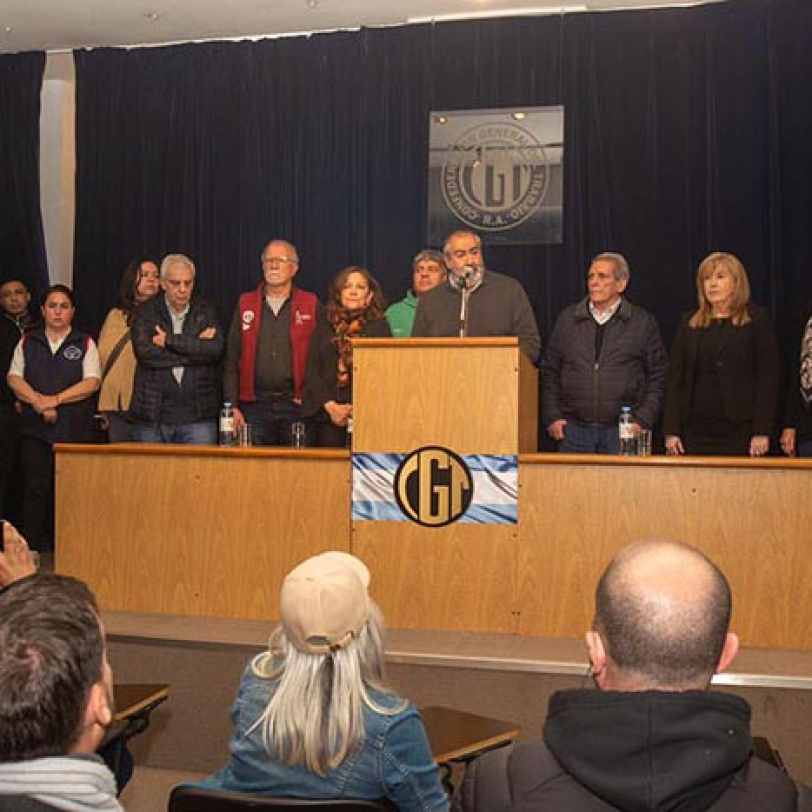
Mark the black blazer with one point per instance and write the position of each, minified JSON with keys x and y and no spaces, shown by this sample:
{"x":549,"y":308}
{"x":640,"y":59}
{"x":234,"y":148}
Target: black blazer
{"x":748,"y":370}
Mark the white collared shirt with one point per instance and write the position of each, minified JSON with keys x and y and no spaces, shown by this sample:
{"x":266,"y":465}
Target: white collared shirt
{"x":607,"y":314}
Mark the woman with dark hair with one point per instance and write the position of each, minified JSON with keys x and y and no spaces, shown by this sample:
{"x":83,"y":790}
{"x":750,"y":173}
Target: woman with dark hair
{"x":54,"y":373}
{"x":723,"y":375}
{"x":314,"y":716}
{"x":355,"y":309}
{"x":140,"y":281}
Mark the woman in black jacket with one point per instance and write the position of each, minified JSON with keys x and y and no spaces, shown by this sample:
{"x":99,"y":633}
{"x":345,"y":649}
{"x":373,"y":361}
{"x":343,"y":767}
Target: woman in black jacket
{"x":723,"y":375}
{"x":355,"y":309}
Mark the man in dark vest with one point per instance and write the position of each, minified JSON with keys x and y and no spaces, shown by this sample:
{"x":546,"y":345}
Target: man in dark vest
{"x":266,"y":350}
{"x":652,"y":737}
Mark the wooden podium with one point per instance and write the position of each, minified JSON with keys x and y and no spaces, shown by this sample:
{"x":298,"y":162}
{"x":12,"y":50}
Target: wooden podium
{"x":470,"y":396}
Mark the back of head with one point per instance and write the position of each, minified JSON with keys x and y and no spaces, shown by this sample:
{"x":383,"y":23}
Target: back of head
{"x":662,"y":610}
{"x":327,"y":653}
{"x":51,"y":654}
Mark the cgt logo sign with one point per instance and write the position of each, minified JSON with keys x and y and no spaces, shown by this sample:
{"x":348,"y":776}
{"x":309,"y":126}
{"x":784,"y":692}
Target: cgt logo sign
{"x":433,"y":486}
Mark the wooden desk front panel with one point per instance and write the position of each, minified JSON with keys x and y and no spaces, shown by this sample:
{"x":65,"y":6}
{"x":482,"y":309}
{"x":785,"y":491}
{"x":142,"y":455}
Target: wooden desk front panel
{"x":755,"y":522}
{"x":195,"y":534}
{"x":457,"y":578}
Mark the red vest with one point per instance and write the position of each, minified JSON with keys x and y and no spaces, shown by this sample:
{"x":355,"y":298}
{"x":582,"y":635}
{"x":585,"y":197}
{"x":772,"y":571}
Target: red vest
{"x":302,"y":323}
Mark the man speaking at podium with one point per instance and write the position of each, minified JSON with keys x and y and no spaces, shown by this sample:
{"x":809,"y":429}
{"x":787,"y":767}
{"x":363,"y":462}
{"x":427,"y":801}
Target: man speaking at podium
{"x":476,"y":302}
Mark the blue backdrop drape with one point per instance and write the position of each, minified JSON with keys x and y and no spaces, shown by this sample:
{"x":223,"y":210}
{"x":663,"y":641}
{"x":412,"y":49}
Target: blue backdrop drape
{"x":687,"y":131}
{"x":22,"y":243}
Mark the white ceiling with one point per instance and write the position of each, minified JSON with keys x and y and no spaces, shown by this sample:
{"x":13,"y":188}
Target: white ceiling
{"x":54,"y":25}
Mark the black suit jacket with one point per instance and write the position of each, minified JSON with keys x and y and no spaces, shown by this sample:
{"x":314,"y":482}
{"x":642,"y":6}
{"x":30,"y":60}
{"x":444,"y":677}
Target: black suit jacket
{"x":748,"y":368}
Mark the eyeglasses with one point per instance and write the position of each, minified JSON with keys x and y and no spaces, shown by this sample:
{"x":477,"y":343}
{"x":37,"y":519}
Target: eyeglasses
{"x":279,"y":261}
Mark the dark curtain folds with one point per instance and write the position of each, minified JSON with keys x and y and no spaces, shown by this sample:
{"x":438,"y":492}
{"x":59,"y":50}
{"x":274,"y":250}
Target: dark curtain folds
{"x":687,"y":131}
{"x":22,"y":242}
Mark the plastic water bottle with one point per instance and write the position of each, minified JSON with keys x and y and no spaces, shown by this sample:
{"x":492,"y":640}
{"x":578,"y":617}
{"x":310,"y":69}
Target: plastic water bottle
{"x":625,"y":432}
{"x":227,"y":433}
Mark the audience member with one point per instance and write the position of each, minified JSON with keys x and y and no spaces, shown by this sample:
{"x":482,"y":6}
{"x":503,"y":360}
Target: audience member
{"x":54,"y":373}
{"x":428,"y":271}
{"x":55,"y":698}
{"x":723,"y":375}
{"x":16,"y":558}
{"x":178,"y":345}
{"x":604,"y":353}
{"x":141,"y":281}
{"x":314,"y":717}
{"x":476,"y":302}
{"x":653,"y":737}
{"x":266,"y":351}
{"x":355,"y":308}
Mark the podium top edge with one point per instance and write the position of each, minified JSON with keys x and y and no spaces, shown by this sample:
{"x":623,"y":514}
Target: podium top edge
{"x":491,"y":341}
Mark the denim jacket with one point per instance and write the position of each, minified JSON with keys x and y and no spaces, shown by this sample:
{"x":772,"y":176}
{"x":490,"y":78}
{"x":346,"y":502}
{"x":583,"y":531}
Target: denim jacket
{"x":393,"y":761}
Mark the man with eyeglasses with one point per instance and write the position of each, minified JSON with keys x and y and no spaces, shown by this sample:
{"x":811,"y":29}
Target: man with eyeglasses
{"x":266,"y":349}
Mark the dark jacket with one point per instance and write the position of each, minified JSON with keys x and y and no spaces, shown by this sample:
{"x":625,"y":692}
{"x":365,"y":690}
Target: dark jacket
{"x":631,"y":370}
{"x":797,"y":413}
{"x":748,"y":369}
{"x":498,"y":307}
{"x":199,"y":357}
{"x":9,"y":338}
{"x":321,"y":378}
{"x":651,"y":751}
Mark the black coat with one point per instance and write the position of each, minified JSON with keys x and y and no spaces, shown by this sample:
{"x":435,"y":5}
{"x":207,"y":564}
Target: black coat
{"x":199,"y":357}
{"x":748,"y":368}
{"x":631,"y":369}
{"x":649,"y":751}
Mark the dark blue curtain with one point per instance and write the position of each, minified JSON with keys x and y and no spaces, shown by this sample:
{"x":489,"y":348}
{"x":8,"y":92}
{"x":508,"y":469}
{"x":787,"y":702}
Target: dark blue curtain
{"x":22,"y":243}
{"x":687,"y":131}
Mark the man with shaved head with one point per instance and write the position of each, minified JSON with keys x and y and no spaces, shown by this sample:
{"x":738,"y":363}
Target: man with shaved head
{"x":266,"y":351}
{"x":653,"y":737}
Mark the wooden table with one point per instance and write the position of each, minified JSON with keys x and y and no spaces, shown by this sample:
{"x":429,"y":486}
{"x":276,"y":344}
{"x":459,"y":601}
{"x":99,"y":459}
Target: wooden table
{"x":459,"y":737}
{"x":137,"y":700}
{"x":134,"y":703}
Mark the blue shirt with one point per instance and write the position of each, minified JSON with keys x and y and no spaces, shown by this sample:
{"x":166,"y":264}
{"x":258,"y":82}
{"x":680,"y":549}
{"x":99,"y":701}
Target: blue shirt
{"x":393,"y":761}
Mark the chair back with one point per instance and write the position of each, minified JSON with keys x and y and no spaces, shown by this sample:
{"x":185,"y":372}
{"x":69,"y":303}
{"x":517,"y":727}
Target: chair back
{"x":196,"y":799}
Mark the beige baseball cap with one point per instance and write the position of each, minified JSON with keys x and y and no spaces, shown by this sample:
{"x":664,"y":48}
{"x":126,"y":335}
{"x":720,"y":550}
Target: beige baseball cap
{"x":324,"y":602}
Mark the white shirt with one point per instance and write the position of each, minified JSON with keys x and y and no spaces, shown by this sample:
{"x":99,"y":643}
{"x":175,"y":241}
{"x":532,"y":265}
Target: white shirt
{"x":607,"y":314}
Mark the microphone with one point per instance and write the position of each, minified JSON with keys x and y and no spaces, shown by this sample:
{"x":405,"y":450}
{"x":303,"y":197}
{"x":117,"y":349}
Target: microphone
{"x":465,"y":278}
{"x":467,"y":275}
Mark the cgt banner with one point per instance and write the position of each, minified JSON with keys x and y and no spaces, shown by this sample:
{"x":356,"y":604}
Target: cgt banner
{"x":497,"y":172}
{"x":433,"y":486}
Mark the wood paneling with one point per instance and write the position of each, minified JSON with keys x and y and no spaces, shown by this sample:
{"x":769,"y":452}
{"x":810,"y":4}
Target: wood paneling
{"x":754,"y":521}
{"x":457,"y":577}
{"x":464,"y":394}
{"x":212,"y":532}
{"x":207,"y":534}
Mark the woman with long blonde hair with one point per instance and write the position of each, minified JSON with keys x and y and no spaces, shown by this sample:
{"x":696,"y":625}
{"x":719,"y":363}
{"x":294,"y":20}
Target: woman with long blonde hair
{"x":724,"y":368}
{"x":314,"y":717}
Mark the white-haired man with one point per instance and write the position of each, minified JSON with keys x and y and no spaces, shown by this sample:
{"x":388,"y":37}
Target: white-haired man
{"x":178,"y":344}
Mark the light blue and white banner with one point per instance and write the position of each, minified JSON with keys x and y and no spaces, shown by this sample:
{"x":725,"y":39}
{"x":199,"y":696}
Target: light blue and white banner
{"x":495,"y":488}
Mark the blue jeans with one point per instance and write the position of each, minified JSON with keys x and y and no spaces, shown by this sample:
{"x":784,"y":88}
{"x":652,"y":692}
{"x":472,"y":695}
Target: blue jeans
{"x":201,"y":433}
{"x":589,"y":438}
